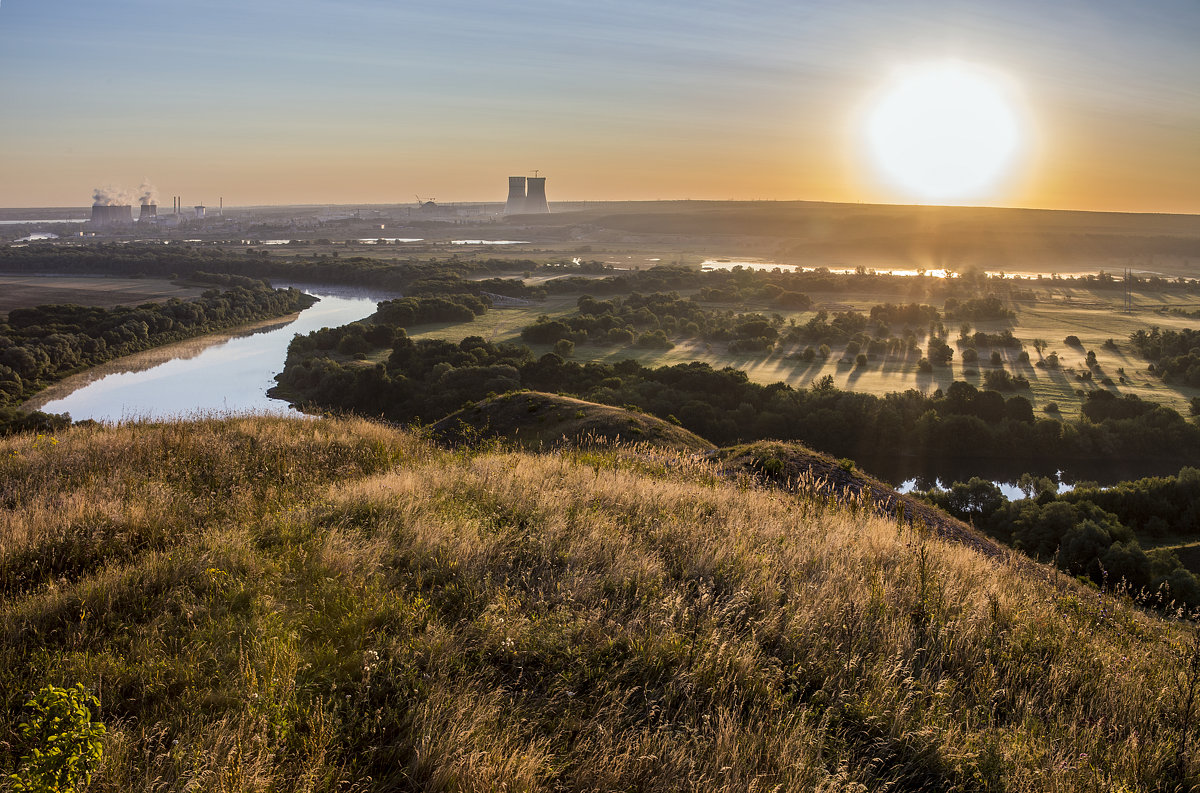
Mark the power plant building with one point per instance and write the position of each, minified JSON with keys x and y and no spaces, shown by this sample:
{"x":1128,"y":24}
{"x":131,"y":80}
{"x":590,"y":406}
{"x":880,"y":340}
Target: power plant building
{"x":516,"y":196}
{"x":526,"y":196}
{"x":535,"y":196}
{"x":112,"y":215}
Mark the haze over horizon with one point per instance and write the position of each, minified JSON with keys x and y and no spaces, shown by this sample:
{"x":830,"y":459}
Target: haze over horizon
{"x":362,"y":102}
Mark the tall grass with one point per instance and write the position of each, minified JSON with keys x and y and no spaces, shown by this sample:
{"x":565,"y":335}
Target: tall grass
{"x":275,"y":604}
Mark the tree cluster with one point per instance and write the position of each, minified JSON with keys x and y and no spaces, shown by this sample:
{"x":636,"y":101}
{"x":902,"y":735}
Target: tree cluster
{"x":1091,"y":531}
{"x":406,"y":312}
{"x":978,"y":308}
{"x":1175,"y":354}
{"x":652,"y":321}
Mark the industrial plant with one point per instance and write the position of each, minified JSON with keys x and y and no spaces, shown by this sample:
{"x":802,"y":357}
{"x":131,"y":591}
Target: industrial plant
{"x":112,"y":214}
{"x":526,"y":196}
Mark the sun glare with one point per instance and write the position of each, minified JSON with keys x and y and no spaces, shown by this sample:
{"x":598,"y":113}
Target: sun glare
{"x":944,"y":132}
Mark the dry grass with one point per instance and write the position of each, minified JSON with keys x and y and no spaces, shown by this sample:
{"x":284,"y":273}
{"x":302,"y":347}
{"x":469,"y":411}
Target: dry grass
{"x":537,"y":421}
{"x":280,"y":604}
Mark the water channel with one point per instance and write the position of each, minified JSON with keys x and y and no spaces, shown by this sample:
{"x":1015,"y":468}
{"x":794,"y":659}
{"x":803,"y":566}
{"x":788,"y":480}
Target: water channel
{"x":227,"y":373}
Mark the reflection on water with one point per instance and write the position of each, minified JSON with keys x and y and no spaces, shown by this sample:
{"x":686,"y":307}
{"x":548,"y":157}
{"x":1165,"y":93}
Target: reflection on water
{"x":213,"y":374}
{"x":709,"y":265}
{"x":1009,"y":489}
{"x":42,"y":220}
{"x":908,"y":474}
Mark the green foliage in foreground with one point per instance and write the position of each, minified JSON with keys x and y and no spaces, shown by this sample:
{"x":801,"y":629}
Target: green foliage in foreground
{"x":319,"y":605}
{"x":65,"y":745}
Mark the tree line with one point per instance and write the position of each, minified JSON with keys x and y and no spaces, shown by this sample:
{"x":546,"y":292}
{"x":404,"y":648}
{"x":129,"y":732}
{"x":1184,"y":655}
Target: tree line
{"x":653,"y":321}
{"x":427,"y":379}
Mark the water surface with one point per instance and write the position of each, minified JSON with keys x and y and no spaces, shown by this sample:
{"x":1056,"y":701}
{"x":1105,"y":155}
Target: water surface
{"x":214,"y":374}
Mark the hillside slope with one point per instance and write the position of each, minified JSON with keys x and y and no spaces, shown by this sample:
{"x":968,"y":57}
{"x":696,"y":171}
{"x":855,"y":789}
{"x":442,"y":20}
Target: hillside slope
{"x":537,"y":420}
{"x":795,"y":467}
{"x":289,"y":604}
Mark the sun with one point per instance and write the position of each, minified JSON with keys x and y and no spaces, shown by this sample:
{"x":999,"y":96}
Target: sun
{"x":944,"y":132}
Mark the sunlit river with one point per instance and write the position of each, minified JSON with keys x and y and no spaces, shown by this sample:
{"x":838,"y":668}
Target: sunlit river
{"x":209,"y":375}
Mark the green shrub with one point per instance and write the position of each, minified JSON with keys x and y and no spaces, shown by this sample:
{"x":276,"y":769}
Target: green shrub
{"x":64,"y":743}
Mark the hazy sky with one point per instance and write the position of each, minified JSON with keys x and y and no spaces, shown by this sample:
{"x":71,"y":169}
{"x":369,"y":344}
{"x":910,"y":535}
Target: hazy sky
{"x":373,"y":101}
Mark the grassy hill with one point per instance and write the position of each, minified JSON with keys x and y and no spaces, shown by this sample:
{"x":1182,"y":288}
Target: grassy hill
{"x":290,"y":604}
{"x":536,"y":420}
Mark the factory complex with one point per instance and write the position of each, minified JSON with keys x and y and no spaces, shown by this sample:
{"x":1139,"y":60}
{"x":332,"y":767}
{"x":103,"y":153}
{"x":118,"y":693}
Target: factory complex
{"x":526,"y":196}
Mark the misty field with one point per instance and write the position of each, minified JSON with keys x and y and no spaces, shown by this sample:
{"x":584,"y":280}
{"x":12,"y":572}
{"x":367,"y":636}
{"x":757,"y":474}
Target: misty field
{"x":24,"y":291}
{"x":1095,"y":316}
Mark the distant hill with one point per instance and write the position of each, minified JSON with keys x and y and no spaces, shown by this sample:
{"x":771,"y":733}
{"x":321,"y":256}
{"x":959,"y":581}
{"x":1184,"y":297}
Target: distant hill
{"x":886,"y":236}
{"x":273,"y":603}
{"x":537,"y":420}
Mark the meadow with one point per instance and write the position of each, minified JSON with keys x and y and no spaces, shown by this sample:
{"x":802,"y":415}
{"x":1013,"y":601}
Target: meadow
{"x":280,"y":604}
{"x":1060,"y":310}
{"x":26,"y":291}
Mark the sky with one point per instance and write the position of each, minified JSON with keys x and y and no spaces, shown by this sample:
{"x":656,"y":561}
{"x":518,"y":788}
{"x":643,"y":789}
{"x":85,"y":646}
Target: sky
{"x":377,"y":101}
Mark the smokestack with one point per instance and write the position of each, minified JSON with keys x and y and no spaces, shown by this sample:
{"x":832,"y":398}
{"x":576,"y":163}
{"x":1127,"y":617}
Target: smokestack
{"x":516,"y":196}
{"x":535,"y":200}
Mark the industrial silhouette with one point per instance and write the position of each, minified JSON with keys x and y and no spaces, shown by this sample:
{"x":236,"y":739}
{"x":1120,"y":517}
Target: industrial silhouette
{"x":521,"y":202}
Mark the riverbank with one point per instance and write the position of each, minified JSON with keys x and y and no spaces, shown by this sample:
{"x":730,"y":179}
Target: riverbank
{"x":217,"y":373}
{"x":149,"y":359}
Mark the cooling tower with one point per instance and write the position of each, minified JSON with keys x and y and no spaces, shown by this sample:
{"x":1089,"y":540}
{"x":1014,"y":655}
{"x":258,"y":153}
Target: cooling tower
{"x":149,"y":212}
{"x":104,"y":215}
{"x":200,"y":212}
{"x":535,"y":199}
{"x":516,"y":196}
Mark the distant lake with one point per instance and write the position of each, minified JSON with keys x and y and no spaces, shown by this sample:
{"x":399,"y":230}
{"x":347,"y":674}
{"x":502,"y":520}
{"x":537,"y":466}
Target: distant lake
{"x":60,"y":220}
{"x":709,"y":265}
{"x":213,"y":374}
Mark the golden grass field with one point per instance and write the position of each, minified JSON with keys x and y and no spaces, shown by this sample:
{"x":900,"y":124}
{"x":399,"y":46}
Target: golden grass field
{"x":282,"y":604}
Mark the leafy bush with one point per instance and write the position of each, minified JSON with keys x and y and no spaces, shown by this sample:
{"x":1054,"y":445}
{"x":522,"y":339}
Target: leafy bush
{"x":64,"y":743}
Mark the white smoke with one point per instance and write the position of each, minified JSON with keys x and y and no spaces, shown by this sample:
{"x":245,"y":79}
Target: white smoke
{"x":111,"y":197}
{"x":116,"y":196}
{"x":149,"y":193}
